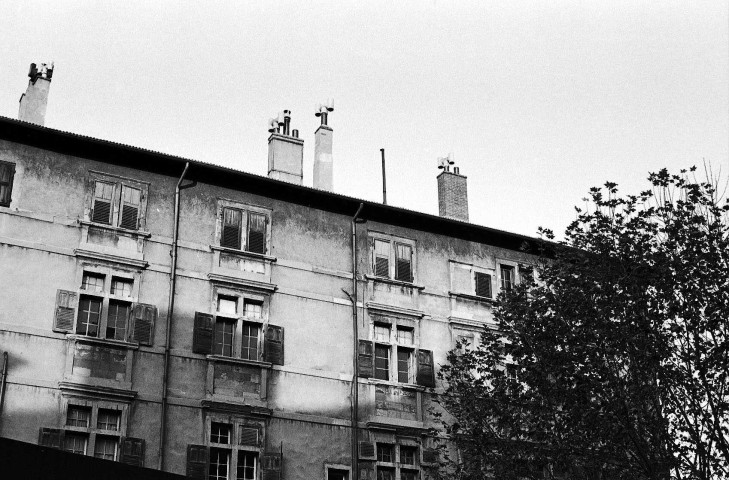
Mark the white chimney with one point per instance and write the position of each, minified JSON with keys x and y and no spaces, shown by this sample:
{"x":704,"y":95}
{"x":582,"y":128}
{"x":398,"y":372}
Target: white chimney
{"x":323,"y":161}
{"x":35,"y":99}
{"x":285,"y":152}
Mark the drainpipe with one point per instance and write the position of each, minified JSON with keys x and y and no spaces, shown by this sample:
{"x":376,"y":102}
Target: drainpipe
{"x":3,"y":381}
{"x":355,"y":344}
{"x":170,"y":307}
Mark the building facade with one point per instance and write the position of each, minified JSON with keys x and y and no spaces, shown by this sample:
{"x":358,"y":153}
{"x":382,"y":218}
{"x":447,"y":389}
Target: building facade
{"x":182,"y":316}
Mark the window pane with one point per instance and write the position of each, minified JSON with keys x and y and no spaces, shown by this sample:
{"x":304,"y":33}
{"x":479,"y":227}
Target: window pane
{"x":131,"y":196}
{"x":407,"y":455}
{"x":227,"y":305}
{"x":252,"y":309}
{"x":507,"y":277}
{"x":405,"y":336}
{"x":93,"y":282}
{"x":385,"y":453}
{"x":78,"y":416}
{"x":404,"y":359}
{"x":219,"y":461}
{"x":382,"y":259}
{"x":89,"y":312}
{"x":246,"y":465}
{"x":106,"y":447}
{"x":220,"y":433}
{"x":403,"y":266}
{"x":230,"y":236}
{"x":223,"y":339}
{"x":104,"y":191}
{"x":121,"y":286}
{"x":4,"y":173}
{"x":382,"y":362}
{"x":108,"y":420}
{"x":382,"y":333}
{"x":76,"y":442}
{"x":116,"y":323}
{"x":256,"y":233}
{"x":337,"y":474}
{"x":249,"y":349}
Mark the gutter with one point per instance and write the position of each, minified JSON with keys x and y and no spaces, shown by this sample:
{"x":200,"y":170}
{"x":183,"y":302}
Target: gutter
{"x":3,"y":381}
{"x":355,"y":351}
{"x":170,"y":309}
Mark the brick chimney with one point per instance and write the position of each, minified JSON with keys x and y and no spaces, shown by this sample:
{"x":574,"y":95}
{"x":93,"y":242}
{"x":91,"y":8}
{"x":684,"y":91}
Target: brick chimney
{"x":35,"y":99}
{"x":452,"y":193}
{"x":323,"y":162}
{"x":285,"y":151}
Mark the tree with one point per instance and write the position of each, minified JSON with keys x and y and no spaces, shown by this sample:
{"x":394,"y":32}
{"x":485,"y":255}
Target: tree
{"x":609,"y":359}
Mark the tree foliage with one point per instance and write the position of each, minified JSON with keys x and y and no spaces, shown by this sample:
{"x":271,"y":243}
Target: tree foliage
{"x":609,"y":359}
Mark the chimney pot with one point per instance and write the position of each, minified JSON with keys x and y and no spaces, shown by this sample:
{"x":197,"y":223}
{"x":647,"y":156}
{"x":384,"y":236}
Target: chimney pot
{"x":295,"y":133}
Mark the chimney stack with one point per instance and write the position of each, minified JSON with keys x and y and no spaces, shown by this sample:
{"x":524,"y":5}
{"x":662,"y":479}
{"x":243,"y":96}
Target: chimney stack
{"x":285,"y":151}
{"x":452,"y":191}
{"x":323,"y":161}
{"x":35,"y":99}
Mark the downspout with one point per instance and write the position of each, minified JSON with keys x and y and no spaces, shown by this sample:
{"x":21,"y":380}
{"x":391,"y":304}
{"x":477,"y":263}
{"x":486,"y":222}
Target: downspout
{"x":355,"y":344}
{"x":3,"y":381}
{"x":170,"y":307}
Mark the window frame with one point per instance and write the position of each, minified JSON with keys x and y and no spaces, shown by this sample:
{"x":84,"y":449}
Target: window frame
{"x":246,"y":211}
{"x":472,"y":269}
{"x":119,"y":186}
{"x":513,"y":266}
{"x":234,"y":447}
{"x":396,"y":466}
{"x":394,"y":345}
{"x":9,"y":183}
{"x":240,"y":319}
{"x":91,"y":431}
{"x":393,"y":265}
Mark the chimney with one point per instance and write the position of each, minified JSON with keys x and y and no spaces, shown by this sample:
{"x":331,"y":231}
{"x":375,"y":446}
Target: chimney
{"x":285,"y":151}
{"x":452,"y":192}
{"x":323,"y":165}
{"x":35,"y":99}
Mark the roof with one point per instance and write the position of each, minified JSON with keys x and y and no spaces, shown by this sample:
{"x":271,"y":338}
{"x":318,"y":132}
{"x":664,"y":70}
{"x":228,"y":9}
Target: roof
{"x":147,"y":160}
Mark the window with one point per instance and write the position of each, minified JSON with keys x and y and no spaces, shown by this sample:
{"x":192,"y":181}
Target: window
{"x":243,"y":228}
{"x":117,"y":201}
{"x":385,"y":453}
{"x":223,"y":341}
{"x":7,"y":172}
{"x":469,"y":279}
{"x":104,"y":307}
{"x":76,"y":443}
{"x":397,"y":461}
{"x":108,"y":420}
{"x":337,"y":474}
{"x":78,"y":416}
{"x":224,"y":458}
{"x":382,"y":362}
{"x":392,"y":258}
{"x":106,"y":447}
{"x":251,"y":338}
{"x":508,"y":277}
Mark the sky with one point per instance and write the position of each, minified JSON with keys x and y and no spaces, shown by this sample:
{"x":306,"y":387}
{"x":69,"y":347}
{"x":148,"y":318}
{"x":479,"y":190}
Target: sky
{"x":537,"y":100}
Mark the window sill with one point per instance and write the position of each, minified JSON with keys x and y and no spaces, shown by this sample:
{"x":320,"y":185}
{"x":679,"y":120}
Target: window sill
{"x":390,"y":281}
{"x":468,"y":296}
{"x":111,"y":228}
{"x":405,"y":386}
{"x":243,"y":253}
{"x":238,"y":361}
{"x":102,"y":341}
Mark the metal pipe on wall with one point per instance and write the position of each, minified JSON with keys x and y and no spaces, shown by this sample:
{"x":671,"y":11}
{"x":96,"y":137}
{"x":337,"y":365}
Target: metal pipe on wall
{"x":170,"y":308}
{"x":355,"y":344}
{"x":384,"y":178}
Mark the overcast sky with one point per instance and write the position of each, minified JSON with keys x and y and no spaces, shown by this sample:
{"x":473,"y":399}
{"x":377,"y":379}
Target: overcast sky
{"x":538,"y":101}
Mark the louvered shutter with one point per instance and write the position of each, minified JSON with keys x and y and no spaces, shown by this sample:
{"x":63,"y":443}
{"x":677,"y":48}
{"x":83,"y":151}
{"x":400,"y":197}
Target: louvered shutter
{"x":66,"y":304}
{"x":365,"y":353}
{"x":202,"y":334}
{"x":132,"y":451}
{"x":426,"y":373}
{"x":230,"y":234}
{"x":483,"y":284}
{"x":248,"y":436}
{"x":129,"y":217}
{"x":381,"y":258}
{"x":367,"y":451}
{"x":7,"y":172}
{"x":273,"y":348}
{"x":143,"y":319}
{"x":271,"y":464}
{"x":197,"y":462}
{"x":50,"y":437}
{"x":103,"y":195}
{"x":403,"y":265}
{"x":256,"y":233}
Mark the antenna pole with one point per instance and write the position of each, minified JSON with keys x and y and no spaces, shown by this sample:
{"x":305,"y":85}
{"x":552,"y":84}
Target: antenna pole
{"x":384,"y":178}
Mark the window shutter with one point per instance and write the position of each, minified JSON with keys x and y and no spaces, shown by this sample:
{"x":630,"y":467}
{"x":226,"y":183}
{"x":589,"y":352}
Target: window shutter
{"x":256,"y":233}
{"x":129,"y":217}
{"x":366,"y":359}
{"x":367,"y":451}
{"x":230,"y":234}
{"x":66,"y":304}
{"x":7,"y":172}
{"x":202,"y":334}
{"x":426,"y":373}
{"x":132,"y":451}
{"x":144,"y":317}
{"x":483,"y":284}
{"x":366,"y":473}
{"x":271,"y":464}
{"x":197,"y":462}
{"x":403,"y":267}
{"x":249,"y":436}
{"x":50,"y":437}
{"x":273,"y":348}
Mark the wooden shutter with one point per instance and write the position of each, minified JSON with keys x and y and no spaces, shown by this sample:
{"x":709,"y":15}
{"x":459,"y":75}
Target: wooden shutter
{"x":367,"y":451}
{"x":7,"y":172}
{"x":143,"y":319}
{"x":249,"y":436}
{"x":381,"y":258}
{"x":365,"y":353}
{"x":230,"y":234}
{"x":271,"y":464}
{"x":403,"y":264}
{"x":132,"y":451}
{"x":256,"y":233}
{"x":66,"y":304}
{"x":131,"y":199}
{"x":273,"y":347}
{"x":197,"y":462}
{"x":426,"y":372}
{"x":103,"y":196}
{"x":202,"y":334}
{"x":50,"y":437}
{"x":483,"y":284}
